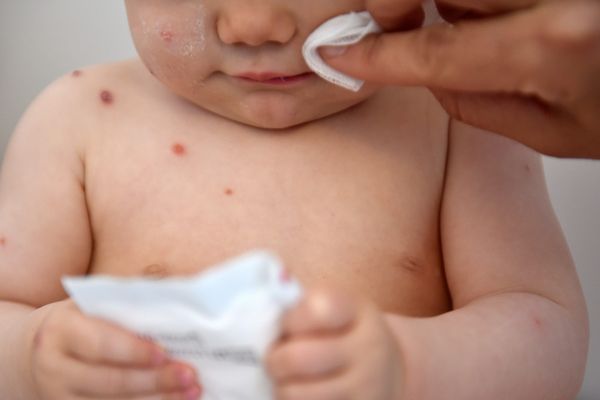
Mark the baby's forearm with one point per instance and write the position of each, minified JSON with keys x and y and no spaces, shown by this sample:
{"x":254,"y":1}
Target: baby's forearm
{"x":507,"y":346}
{"x":16,"y":331}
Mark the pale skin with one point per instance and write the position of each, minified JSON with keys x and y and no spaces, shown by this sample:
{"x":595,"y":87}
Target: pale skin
{"x":527,"y":69}
{"x":434,"y":265}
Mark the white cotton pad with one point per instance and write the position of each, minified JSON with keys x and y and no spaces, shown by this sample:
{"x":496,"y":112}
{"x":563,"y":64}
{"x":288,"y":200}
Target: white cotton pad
{"x":343,"y":30}
{"x":222,"y":321}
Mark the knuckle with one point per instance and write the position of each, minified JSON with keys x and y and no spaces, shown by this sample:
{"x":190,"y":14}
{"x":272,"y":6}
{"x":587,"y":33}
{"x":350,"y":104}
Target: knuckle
{"x":576,"y":26}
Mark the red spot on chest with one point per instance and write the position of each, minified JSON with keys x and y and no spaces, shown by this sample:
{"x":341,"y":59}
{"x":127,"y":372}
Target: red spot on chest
{"x":167,"y":36}
{"x":2,"y":241}
{"x":107,"y":97}
{"x":76,"y":74}
{"x":178,"y":149}
{"x":229,"y":192}
{"x":37,"y":339}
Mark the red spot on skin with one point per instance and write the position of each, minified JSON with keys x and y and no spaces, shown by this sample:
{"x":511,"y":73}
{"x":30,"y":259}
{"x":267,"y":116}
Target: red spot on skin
{"x":538,"y":322}
{"x":167,"y":36}
{"x":2,"y":241}
{"x":37,"y":339}
{"x":229,"y":192}
{"x":76,"y":74}
{"x":178,"y":149}
{"x":285,"y":276}
{"x":107,"y":97}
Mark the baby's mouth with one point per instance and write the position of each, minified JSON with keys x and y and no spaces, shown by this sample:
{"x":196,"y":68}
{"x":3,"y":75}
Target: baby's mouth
{"x":273,"y":78}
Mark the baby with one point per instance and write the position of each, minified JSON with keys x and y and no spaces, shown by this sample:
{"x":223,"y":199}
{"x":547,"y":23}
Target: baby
{"x":434,"y":264}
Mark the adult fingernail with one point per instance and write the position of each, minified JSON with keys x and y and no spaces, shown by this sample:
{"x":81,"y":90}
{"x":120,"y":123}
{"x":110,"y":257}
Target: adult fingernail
{"x":333,"y":51}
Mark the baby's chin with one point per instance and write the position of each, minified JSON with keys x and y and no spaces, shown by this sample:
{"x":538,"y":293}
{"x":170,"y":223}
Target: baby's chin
{"x":279,"y":111}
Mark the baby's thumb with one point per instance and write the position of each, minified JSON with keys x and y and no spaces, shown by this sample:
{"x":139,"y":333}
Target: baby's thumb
{"x":320,"y":312}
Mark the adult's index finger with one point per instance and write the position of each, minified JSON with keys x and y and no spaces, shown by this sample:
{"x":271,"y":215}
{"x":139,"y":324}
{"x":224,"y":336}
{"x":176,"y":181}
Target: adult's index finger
{"x":487,"y":7}
{"x":481,"y":55}
{"x":396,"y":14}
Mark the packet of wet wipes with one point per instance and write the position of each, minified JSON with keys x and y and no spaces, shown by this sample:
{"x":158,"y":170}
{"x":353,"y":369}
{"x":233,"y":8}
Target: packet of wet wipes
{"x":222,"y":321}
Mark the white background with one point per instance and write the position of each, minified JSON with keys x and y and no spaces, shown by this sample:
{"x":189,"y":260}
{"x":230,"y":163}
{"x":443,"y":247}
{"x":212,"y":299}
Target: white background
{"x":41,"y":40}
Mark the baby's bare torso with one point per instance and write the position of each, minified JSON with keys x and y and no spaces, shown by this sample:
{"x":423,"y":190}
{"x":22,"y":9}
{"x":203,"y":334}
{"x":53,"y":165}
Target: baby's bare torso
{"x":351,"y":201}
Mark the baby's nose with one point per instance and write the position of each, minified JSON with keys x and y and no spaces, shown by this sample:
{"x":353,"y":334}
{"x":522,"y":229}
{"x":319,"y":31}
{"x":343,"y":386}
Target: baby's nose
{"x":252,"y":23}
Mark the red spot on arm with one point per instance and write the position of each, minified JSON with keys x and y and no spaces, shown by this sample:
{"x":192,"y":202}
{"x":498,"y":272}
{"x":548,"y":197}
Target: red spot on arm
{"x":167,"y":36}
{"x":76,"y":74}
{"x":178,"y":149}
{"x":538,"y":323}
{"x":107,"y":97}
{"x":229,"y":192}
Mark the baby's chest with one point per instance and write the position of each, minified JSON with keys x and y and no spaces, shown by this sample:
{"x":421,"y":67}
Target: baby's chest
{"x":360,"y":219}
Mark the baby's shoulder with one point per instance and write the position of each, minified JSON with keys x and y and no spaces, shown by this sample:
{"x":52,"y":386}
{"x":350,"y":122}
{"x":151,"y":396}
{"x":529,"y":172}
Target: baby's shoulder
{"x":72,"y":102}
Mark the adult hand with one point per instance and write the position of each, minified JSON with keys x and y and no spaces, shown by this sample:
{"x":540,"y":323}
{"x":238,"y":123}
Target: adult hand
{"x":527,"y":69}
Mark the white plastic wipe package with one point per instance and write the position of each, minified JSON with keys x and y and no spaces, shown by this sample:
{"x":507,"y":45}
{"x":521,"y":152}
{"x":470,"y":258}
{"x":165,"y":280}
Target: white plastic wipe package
{"x":222,"y":321}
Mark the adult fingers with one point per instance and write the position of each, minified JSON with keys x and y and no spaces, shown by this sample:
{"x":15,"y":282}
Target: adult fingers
{"x":526,"y":120}
{"x":521,"y":53}
{"x":396,"y":14}
{"x":107,"y":381}
{"x":468,"y":56}
{"x":320,"y":312}
{"x":453,"y":10}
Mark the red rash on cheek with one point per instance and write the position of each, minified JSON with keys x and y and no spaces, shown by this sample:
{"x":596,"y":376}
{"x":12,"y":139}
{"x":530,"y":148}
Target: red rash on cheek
{"x":107,"y":97}
{"x":178,"y":149}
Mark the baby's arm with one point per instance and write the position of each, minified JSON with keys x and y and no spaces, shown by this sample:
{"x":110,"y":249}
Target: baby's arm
{"x":519,"y":325}
{"x":47,"y":348}
{"x":44,"y":230}
{"x":518,"y":329}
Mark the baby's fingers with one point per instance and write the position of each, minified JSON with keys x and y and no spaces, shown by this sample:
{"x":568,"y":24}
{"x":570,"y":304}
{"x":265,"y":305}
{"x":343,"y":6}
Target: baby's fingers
{"x":334,"y":389}
{"x":114,"y":382}
{"x":307,"y":359}
{"x":99,"y":342}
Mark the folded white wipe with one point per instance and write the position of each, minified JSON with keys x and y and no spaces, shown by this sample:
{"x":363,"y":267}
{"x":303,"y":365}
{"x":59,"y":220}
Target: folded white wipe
{"x":343,"y":30}
{"x":221,"y":322}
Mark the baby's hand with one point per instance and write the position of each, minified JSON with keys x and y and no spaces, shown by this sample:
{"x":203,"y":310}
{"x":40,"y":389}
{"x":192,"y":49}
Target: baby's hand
{"x":335,"y":347}
{"x":77,"y":357}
